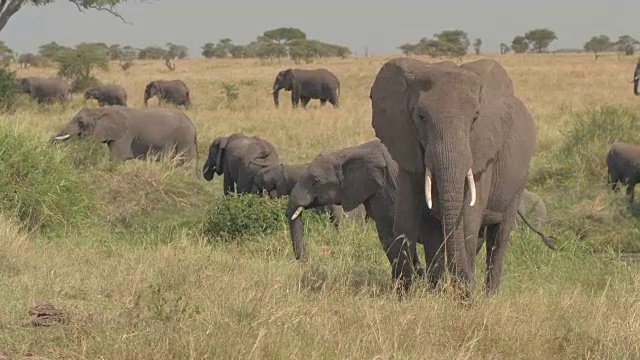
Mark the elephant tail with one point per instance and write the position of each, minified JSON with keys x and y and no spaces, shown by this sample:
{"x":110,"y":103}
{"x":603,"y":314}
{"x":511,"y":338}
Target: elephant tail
{"x":195,"y":145}
{"x":548,"y":240}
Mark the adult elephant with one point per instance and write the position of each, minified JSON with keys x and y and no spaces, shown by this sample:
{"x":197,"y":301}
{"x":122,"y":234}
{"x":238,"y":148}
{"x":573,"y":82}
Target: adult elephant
{"x":172,"y":91}
{"x":45,"y":90}
{"x":623,"y":166}
{"x":305,"y":85}
{"x":278,"y":180}
{"x":463,"y":142}
{"x":135,"y":133}
{"x":110,"y":94}
{"x":239,"y":158}
{"x":364,"y":174}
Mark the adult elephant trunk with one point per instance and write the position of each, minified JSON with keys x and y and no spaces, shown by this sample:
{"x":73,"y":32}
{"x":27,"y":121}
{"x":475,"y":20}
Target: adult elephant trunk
{"x":450,"y":167}
{"x":276,"y":95}
{"x":298,"y":201}
{"x":636,"y":79}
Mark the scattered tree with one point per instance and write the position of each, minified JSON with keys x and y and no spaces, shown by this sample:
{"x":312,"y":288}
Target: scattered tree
{"x":626,"y":44}
{"x":6,"y":54}
{"x":28,"y":60}
{"x":476,"y":46}
{"x":540,"y":39}
{"x":152,"y":53}
{"x":519,"y":45}
{"x":597,"y":45}
{"x":176,"y":51}
{"x":79,"y":63}
{"x":504,"y":48}
{"x":52,"y":51}
{"x":446,"y":43}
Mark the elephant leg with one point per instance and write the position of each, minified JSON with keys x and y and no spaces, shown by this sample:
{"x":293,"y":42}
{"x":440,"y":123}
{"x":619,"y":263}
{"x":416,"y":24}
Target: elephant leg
{"x":430,"y":234}
{"x":630,"y":190}
{"x":227,"y":184}
{"x":408,"y":207}
{"x":335,"y":215}
{"x":333,"y":99}
{"x":305,"y":101}
{"x":323,"y":102}
{"x":497,"y":239}
{"x":295,"y":97}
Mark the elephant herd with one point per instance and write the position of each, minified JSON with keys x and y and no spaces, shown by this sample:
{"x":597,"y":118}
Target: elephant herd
{"x":447,"y":169}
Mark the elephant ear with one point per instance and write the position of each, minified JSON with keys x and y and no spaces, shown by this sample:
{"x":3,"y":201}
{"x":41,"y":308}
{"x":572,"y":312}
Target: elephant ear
{"x":110,"y":125}
{"x":361,"y":173}
{"x":267,"y":154}
{"x":391,"y":114}
{"x":497,"y":112}
{"x":222,"y":147}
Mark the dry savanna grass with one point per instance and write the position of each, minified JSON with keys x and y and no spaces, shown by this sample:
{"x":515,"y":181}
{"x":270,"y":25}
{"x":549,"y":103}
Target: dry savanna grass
{"x":123,"y":255}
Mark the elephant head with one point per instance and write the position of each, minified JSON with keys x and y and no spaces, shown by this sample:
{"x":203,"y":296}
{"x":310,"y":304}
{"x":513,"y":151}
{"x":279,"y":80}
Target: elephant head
{"x":636,"y":78}
{"x":214,"y":163}
{"x":23,"y":85}
{"x":446,"y":124}
{"x":152,"y":89}
{"x":92,"y":93}
{"x":100,"y":124}
{"x":284,"y":80}
{"x":270,"y":179}
{"x":345,"y":177}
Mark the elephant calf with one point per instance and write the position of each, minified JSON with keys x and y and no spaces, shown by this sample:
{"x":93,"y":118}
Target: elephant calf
{"x":278,"y":180}
{"x":172,"y":91}
{"x":532,"y":204}
{"x":107,"y":95}
{"x":239,"y":158}
{"x":45,"y":90}
{"x":623,"y":165}
{"x":306,"y":84}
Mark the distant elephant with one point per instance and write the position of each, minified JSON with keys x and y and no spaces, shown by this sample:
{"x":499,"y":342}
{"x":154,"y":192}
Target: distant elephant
{"x":45,"y":90}
{"x":172,"y":91}
{"x":364,"y":174}
{"x":134,"y":133}
{"x":463,"y":143}
{"x":279,"y":179}
{"x":623,"y":166}
{"x":636,"y":78}
{"x":107,"y":95}
{"x":239,"y":158}
{"x":306,"y":85}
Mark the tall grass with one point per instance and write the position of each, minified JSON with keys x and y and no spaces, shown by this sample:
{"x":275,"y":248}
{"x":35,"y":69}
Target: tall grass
{"x":133,"y":252}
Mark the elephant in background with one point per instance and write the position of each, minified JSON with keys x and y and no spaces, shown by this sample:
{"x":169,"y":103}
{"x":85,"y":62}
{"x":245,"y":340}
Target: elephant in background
{"x":45,"y":90}
{"x":279,"y":179}
{"x":135,"y":133}
{"x":305,"y":85}
{"x":463,"y":143}
{"x":107,"y":95}
{"x":364,"y":174}
{"x":172,"y":91}
{"x":239,"y":158}
{"x":623,"y":166}
{"x":636,"y":78}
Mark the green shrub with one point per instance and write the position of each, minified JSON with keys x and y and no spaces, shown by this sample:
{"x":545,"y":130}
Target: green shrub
{"x":8,"y":90}
{"x":39,"y":185}
{"x":572,"y":180}
{"x":84,"y":83}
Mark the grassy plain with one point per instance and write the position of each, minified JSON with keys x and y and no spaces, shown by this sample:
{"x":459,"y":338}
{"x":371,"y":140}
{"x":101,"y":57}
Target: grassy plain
{"x":119,"y":248}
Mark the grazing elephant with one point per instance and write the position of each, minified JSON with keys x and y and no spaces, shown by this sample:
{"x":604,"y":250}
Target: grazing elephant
{"x":463,"y":142}
{"x":364,"y":174}
{"x":532,"y":204}
{"x":172,"y":91}
{"x":623,"y":165}
{"x":279,"y":179}
{"x":306,"y":85}
{"x":239,"y":158}
{"x":135,"y":133}
{"x":107,"y":95}
{"x":45,"y":90}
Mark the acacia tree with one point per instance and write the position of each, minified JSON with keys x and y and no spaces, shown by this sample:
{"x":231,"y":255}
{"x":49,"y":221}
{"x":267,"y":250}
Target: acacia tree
{"x":476,"y":46}
{"x":540,"y":39}
{"x":597,"y":45}
{"x":8,"y":8}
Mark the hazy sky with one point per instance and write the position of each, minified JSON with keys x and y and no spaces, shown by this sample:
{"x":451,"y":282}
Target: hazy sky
{"x":379,"y":24}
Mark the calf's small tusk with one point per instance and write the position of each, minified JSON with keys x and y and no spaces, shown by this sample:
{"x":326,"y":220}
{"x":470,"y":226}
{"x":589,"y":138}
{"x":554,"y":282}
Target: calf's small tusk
{"x":63,"y":137}
{"x":427,"y":188}
{"x":297,"y":213}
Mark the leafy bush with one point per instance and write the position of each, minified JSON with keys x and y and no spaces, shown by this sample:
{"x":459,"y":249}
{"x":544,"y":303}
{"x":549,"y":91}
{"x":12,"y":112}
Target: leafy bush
{"x":231,"y":91}
{"x":244,"y":215}
{"x":84,"y":83}
{"x":39,"y":185}
{"x":572,"y":179}
{"x":8,"y":90}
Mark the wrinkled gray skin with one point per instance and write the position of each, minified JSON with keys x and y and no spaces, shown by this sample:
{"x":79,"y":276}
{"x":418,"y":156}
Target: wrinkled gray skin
{"x":239,"y":158}
{"x":306,"y":85}
{"x":532,"y":206}
{"x":45,"y":90}
{"x":449,"y":122}
{"x":134,"y":133}
{"x":623,"y":166}
{"x":172,"y":91}
{"x":364,"y":174}
{"x":278,"y":180}
{"x":107,"y":95}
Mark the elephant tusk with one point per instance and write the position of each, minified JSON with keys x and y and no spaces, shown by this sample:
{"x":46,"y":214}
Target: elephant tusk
{"x":472,"y":187}
{"x":62,"y":137}
{"x":427,"y":188}
{"x":297,"y":213}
